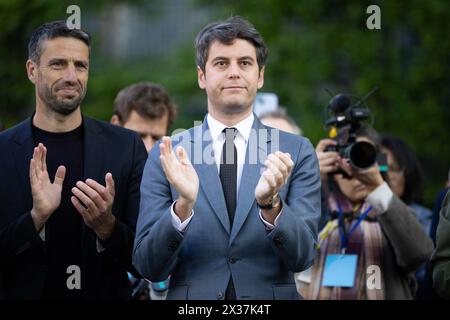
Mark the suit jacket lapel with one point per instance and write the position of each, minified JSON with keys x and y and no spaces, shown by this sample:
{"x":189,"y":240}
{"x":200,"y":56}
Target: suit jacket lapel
{"x":259,"y":142}
{"x":22,"y":150}
{"x":94,"y":160}
{"x":208,"y":174}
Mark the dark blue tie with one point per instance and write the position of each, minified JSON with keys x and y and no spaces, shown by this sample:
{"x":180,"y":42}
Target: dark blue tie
{"x":228,"y":172}
{"x":228,"y":178}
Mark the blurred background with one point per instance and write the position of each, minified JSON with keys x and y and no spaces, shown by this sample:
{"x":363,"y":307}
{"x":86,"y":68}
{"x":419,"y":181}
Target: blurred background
{"x":312,"y":46}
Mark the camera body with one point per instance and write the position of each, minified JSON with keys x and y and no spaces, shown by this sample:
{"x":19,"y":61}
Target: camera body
{"x":360,"y":154}
{"x":346,"y":120}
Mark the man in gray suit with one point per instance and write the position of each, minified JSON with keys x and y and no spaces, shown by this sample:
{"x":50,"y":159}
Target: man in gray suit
{"x":232,"y":213}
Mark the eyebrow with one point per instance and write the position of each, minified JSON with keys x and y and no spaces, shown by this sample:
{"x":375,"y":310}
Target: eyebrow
{"x":65,"y":61}
{"x":227,"y":59}
{"x":57,"y":60}
{"x":246,"y":58}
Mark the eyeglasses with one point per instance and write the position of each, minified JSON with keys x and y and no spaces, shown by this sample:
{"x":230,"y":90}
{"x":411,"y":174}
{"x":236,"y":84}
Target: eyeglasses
{"x":396,"y":169}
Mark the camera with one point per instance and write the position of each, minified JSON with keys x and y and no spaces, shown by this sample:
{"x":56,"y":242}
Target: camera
{"x":346,"y":119}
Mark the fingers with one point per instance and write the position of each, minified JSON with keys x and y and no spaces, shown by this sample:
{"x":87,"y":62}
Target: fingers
{"x":40,"y":157}
{"x":166,"y":146}
{"x":97,"y":187}
{"x":36,"y":161}
{"x":164,"y":164}
{"x":182,"y":155}
{"x":278,"y":168}
{"x":345,"y":166}
{"x":370,"y":177}
{"x":286,"y":159}
{"x":372,"y":171}
{"x":110,"y":185}
{"x":33,"y":177}
{"x":80,"y":208}
{"x":282,"y":162}
{"x":164,"y":151}
{"x":328,"y":155}
{"x":44,"y":157}
{"x":324,"y":143}
{"x":168,"y":143}
{"x":60,"y":175}
{"x":328,"y":161}
{"x":106,"y":193}
{"x":277,"y":177}
{"x":88,"y":196}
{"x":270,"y":179}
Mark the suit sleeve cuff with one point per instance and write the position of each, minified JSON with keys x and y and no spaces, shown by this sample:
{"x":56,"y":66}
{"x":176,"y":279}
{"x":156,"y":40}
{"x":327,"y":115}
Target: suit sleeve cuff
{"x":176,"y":222}
{"x":268,"y":225}
{"x":99,"y":246}
{"x":42,"y":233}
{"x":381,"y":198}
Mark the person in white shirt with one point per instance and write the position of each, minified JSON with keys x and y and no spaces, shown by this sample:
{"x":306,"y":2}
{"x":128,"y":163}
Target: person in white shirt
{"x":232,"y":213}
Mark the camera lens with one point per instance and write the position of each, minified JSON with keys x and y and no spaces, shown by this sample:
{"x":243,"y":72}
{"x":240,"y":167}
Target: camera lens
{"x":362,"y":154}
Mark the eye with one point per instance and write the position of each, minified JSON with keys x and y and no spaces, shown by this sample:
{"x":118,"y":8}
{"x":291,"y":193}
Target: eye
{"x":56,"y":64}
{"x":220,"y":63}
{"x":81,"y":66}
{"x":246,"y":63}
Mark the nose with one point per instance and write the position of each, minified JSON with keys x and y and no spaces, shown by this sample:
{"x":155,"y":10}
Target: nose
{"x":70,"y":74}
{"x":233,"y":71}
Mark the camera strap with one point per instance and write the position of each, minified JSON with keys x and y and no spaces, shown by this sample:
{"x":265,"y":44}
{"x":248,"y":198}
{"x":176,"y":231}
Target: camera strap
{"x":345,"y":236}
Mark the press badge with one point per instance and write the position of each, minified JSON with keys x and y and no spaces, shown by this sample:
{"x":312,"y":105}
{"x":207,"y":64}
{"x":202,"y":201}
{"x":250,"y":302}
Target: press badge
{"x":340,"y":270}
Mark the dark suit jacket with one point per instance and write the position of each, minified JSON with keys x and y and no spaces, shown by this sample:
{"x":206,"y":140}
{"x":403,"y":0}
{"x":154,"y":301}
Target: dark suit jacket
{"x":440,"y":261}
{"x":202,"y":259}
{"x":107,"y":148}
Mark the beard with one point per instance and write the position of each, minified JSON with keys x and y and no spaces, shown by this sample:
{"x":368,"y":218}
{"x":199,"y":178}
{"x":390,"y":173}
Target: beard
{"x":63,"y":106}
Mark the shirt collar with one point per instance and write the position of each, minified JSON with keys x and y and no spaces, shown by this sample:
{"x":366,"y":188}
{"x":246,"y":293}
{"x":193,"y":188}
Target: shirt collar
{"x":244,"y":127}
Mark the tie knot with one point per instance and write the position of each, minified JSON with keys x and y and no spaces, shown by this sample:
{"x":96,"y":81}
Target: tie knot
{"x":230,"y":133}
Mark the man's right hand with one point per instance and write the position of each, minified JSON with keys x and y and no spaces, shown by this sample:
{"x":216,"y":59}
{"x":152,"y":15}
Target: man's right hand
{"x":328,"y":161}
{"x":181,"y":175}
{"x":46,"y":195}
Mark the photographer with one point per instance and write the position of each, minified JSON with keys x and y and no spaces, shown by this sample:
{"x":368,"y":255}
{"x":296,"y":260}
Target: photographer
{"x":372,"y":242}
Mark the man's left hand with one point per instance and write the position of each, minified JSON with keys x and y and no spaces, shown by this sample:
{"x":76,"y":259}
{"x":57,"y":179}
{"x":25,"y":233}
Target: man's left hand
{"x":94,"y":202}
{"x":370,"y":177}
{"x":279,"y":166}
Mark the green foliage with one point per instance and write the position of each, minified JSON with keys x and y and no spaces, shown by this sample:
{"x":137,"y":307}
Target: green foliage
{"x":313,"y":45}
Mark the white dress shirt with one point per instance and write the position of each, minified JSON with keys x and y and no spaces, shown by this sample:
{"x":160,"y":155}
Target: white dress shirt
{"x":218,"y":139}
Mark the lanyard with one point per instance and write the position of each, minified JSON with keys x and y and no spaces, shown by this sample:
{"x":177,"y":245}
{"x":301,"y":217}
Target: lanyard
{"x":344,"y":235}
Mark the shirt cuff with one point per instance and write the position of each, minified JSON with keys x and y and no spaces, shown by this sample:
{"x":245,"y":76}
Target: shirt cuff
{"x":268,"y":225}
{"x":42,"y":233}
{"x":99,"y":246}
{"x":381,"y":198}
{"x":176,"y":222}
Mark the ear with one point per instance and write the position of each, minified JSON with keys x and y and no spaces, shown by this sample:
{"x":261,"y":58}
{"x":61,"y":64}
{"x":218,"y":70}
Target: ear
{"x":31,"y":70}
{"x":261,"y":78}
{"x":115,"y":120}
{"x":201,"y":78}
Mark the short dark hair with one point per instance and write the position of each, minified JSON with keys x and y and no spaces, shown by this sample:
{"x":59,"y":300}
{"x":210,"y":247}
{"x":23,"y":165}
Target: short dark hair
{"x":226,"y":32}
{"x":409,"y":163}
{"x":147,"y":99}
{"x":51,"y":30}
